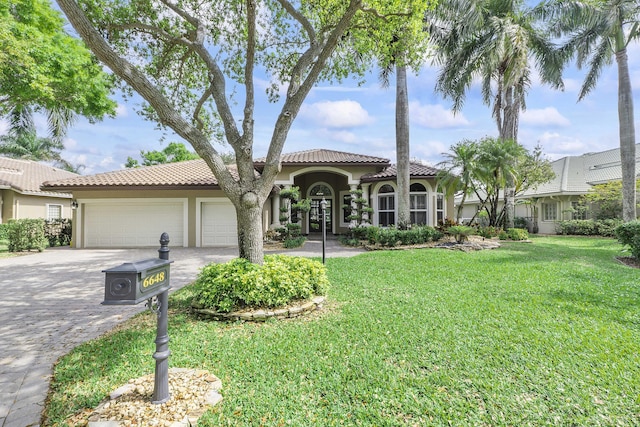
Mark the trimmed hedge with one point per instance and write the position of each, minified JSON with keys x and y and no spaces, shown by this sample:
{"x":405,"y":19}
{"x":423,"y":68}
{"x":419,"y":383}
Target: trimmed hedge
{"x":392,"y":236}
{"x":26,"y":234}
{"x":588,"y":227}
{"x":240,"y":284}
{"x":629,"y":234}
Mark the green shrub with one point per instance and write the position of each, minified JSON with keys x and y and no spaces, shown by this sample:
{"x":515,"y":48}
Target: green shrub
{"x":488,"y":232}
{"x":392,"y":236}
{"x":503,"y":235}
{"x":607,"y":227}
{"x":4,"y":231}
{"x":520,"y":222}
{"x":517,"y":234}
{"x":58,"y":232}
{"x":460,"y":232}
{"x":26,"y":234}
{"x":239,"y":284}
{"x":629,"y":234}
{"x":588,"y":227}
{"x":293,"y":242}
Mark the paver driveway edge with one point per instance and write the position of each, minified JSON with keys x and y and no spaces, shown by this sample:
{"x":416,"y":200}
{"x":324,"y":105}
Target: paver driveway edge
{"x":50,"y":303}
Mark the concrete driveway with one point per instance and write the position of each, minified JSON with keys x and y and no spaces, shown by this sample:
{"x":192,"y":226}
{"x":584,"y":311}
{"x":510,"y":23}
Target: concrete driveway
{"x":50,"y":303}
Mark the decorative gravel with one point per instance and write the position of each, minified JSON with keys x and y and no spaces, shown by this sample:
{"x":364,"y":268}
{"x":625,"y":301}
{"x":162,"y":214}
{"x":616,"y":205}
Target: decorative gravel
{"x":192,"y":392}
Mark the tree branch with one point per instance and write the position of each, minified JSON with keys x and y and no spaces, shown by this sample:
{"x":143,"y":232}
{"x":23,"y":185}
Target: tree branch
{"x":295,"y":14}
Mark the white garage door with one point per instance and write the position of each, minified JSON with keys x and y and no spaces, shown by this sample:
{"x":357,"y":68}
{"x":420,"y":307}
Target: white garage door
{"x":219,"y":225}
{"x":128,"y":224}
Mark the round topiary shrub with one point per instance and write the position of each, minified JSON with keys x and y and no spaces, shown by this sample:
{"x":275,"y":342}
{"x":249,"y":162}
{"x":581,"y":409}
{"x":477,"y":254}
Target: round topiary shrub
{"x":239,"y":284}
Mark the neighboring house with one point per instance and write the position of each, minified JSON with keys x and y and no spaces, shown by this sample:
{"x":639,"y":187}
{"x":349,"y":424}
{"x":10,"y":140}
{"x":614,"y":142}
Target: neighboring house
{"x":133,"y":207}
{"x":20,"y":193}
{"x":558,"y":199}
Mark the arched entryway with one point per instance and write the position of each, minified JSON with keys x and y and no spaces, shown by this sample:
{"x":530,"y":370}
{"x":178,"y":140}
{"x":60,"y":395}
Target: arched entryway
{"x":318,"y":192}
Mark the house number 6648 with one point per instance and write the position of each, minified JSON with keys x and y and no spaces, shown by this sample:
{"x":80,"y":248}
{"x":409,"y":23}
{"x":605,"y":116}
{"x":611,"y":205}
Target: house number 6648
{"x":153,"y":279}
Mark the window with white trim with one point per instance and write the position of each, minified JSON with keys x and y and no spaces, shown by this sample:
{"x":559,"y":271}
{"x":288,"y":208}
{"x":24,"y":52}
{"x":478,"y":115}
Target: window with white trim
{"x":418,"y":204}
{"x":54,"y":212}
{"x":440,"y":208}
{"x":549,"y":211}
{"x":386,"y":206}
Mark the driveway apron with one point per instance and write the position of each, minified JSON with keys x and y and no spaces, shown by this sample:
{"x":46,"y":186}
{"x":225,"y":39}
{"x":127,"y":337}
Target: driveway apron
{"x":50,"y":303}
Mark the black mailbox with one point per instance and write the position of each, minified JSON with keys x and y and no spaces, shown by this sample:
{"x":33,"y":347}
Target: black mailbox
{"x":134,"y":282}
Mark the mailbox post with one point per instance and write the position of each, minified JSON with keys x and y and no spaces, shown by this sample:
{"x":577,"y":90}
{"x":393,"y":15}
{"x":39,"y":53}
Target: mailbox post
{"x":134,"y":282}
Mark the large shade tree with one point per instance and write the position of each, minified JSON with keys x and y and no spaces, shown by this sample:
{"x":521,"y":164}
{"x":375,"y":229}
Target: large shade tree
{"x":594,"y":32}
{"x":497,"y":42}
{"x":182,"y":57}
{"x":45,"y":70}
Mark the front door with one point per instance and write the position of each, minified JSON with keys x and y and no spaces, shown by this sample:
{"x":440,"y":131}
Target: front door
{"x":315,"y":216}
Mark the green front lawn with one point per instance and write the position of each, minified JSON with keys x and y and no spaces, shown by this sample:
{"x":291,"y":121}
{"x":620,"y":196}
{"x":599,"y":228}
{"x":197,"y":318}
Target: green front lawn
{"x":541,"y":334}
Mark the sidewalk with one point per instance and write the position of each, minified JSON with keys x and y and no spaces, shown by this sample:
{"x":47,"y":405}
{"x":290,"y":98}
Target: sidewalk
{"x":50,"y":303}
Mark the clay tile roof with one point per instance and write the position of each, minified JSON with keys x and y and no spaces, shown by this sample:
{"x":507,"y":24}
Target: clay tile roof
{"x":26,"y":176}
{"x":416,"y":170}
{"x":321,"y":156}
{"x":190,"y":173}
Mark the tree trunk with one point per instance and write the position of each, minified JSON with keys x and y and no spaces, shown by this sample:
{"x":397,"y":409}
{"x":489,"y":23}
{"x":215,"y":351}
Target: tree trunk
{"x":627,"y":138}
{"x":508,"y":132}
{"x":250,"y":238}
{"x":402,"y":147}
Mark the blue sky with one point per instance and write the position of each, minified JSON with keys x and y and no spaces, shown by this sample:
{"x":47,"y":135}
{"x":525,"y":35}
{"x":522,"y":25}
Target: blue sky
{"x":360,"y":119}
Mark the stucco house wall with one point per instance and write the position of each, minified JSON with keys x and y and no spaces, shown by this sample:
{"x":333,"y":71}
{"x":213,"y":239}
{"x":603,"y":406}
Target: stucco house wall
{"x":134,"y":207}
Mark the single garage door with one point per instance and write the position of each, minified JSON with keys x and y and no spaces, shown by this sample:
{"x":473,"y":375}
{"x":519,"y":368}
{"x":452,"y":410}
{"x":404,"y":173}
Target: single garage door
{"x":219,"y":225}
{"x":133,"y":223}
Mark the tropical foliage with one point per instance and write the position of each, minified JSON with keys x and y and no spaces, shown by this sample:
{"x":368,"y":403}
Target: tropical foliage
{"x":492,"y":40}
{"x":485,"y":168}
{"x":595,"y":32}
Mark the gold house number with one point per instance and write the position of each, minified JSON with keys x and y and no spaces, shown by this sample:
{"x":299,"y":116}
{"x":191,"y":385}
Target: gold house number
{"x":153,"y":279}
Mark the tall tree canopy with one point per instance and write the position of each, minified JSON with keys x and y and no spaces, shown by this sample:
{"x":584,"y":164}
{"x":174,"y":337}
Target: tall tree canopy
{"x":497,"y":42}
{"x":43,"y":67}
{"x":594,"y":33}
{"x":181,"y":57}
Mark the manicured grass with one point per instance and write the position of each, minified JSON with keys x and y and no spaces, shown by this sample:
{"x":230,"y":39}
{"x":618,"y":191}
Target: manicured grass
{"x":539,"y":334}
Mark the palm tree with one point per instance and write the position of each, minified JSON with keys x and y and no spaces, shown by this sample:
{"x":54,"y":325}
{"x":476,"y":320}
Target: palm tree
{"x":456,"y":171}
{"x":22,"y":141}
{"x":595,"y":33}
{"x":493,"y":40}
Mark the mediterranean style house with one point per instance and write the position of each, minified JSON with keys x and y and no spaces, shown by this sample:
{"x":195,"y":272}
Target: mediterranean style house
{"x":133,"y":207}
{"x":558,"y":199}
{"x":20,"y":193}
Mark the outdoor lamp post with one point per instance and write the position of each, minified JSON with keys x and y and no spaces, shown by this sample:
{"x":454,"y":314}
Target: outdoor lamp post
{"x":323,"y":208}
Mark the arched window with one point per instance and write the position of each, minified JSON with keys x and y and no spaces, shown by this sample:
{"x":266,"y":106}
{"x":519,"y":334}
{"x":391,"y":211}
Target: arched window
{"x":418,"y":204}
{"x":320,"y":190}
{"x":386,"y":206}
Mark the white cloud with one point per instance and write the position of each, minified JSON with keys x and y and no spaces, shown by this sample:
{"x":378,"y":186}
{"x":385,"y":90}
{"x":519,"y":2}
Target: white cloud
{"x":435,"y":116}
{"x":556,"y":145}
{"x":548,"y":116}
{"x":343,"y":136}
{"x":336,"y":114}
{"x":121,"y":111}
